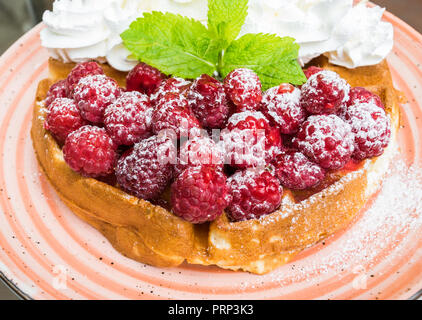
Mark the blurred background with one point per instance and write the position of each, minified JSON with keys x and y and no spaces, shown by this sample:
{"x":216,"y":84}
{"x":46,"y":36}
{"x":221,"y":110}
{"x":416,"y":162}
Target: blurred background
{"x":18,"y":16}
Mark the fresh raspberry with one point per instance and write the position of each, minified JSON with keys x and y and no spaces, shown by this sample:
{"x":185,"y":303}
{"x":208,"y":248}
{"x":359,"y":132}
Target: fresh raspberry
{"x":255,"y":193}
{"x":324,"y":93}
{"x":90,"y":152}
{"x":175,"y":115}
{"x":296,"y":171}
{"x":361,"y":95}
{"x":326,"y":140}
{"x":94,"y":94}
{"x":200,"y":194}
{"x":144,"y":78}
{"x":199,"y":151}
{"x":57,"y":90}
{"x":63,"y":117}
{"x":371,"y":127}
{"x":311,"y":71}
{"x":172,"y":85}
{"x":244,"y":88}
{"x":81,"y":71}
{"x":145,"y":170}
{"x":128,"y":119}
{"x":281,"y":105}
{"x":208,"y":102}
{"x":250,"y":141}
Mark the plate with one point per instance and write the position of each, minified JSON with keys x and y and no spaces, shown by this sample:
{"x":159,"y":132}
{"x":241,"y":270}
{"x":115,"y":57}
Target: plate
{"x":48,"y":253}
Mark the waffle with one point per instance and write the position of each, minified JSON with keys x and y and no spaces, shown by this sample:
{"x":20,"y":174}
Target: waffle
{"x":150,"y":234}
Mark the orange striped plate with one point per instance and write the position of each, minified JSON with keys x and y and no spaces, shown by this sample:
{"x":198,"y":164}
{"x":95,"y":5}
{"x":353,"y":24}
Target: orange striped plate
{"x":48,"y":253}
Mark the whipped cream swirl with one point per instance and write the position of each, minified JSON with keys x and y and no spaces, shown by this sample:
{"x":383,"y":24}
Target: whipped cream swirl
{"x":81,"y":30}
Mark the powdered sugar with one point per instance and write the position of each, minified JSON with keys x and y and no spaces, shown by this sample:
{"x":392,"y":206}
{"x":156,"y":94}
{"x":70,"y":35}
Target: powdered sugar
{"x":241,"y":116}
{"x":284,"y":109}
{"x":371,"y":126}
{"x":324,"y":92}
{"x":395,"y":212}
{"x":93,"y":94}
{"x":128,"y":119}
{"x":327,"y":140}
{"x":243,"y":88}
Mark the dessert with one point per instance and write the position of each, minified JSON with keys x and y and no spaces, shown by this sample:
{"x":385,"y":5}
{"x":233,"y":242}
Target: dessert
{"x":294,"y":163}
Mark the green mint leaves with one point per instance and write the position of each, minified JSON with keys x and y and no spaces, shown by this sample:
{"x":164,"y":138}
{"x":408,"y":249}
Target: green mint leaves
{"x":184,"y":47}
{"x":173,"y":44}
{"x":225,"y":19}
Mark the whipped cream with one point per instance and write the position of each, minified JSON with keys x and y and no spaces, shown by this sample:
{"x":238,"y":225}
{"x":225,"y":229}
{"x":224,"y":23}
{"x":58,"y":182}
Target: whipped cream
{"x":81,"y":30}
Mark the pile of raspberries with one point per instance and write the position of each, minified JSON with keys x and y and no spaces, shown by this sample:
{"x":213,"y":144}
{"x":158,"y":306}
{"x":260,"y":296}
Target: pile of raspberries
{"x":159,"y":132}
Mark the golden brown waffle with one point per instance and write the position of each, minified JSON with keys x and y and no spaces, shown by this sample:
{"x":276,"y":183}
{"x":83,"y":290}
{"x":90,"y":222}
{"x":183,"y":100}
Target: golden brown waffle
{"x":153,"y":235}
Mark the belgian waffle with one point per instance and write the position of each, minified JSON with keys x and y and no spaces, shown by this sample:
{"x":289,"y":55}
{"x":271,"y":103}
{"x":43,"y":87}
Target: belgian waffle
{"x":151,"y":234}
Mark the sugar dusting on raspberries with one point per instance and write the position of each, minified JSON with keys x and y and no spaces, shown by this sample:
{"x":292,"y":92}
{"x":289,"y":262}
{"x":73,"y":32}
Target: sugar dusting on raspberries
{"x":81,"y":71}
{"x":199,"y":151}
{"x":63,"y":117}
{"x":128,"y":119}
{"x":200,"y":194}
{"x":326,"y":140}
{"x":172,"y":85}
{"x":296,"y":171}
{"x":94,"y":94}
{"x":371,"y":127}
{"x":144,"y":78}
{"x":145,"y":170}
{"x":282,"y":107}
{"x":254,"y":193}
{"x":244,"y":89}
{"x":324,"y":93}
{"x":174,"y":114}
{"x":57,"y":90}
{"x":208,"y":102}
{"x":90,"y":152}
{"x":362,"y":95}
{"x":249,"y":140}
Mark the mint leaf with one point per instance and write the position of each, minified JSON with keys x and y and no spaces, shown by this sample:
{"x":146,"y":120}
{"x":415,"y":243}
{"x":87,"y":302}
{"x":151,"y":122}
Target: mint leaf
{"x":225,"y":19}
{"x":273,"y":58}
{"x":175,"y":45}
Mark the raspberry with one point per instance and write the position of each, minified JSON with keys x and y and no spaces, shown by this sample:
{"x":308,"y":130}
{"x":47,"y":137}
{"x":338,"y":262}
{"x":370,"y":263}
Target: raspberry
{"x":172,"y":85}
{"x":295,"y":171}
{"x":145,"y":170}
{"x":174,"y":114}
{"x":208,"y":102}
{"x":94,"y":94}
{"x":254,"y":193}
{"x":81,"y":71}
{"x":311,"y":71}
{"x":371,"y":127}
{"x":250,"y":141}
{"x":326,"y":140}
{"x":199,"y":194}
{"x":199,"y":151}
{"x":128,"y":119}
{"x":63,"y":118}
{"x":144,"y":78}
{"x":361,"y":95}
{"x":90,"y":152}
{"x":243,"y":87}
{"x":324,"y":93}
{"x":57,"y":90}
{"x":281,"y":105}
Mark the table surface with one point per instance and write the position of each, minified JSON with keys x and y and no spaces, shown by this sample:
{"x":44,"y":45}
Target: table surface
{"x":408,"y":10}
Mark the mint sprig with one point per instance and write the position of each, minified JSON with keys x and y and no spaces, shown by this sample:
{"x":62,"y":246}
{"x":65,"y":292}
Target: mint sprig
{"x":184,"y":47}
